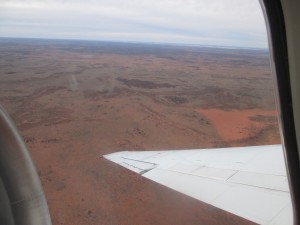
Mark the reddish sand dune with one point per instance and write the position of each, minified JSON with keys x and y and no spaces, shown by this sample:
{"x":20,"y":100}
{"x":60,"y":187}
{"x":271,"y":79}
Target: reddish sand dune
{"x":239,"y":124}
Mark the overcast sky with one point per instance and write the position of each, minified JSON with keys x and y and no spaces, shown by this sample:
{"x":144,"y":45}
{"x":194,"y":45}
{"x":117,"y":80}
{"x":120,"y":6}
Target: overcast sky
{"x":204,"y":22}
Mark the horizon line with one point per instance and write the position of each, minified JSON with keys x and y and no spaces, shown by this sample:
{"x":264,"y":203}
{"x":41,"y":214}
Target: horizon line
{"x":142,"y":42}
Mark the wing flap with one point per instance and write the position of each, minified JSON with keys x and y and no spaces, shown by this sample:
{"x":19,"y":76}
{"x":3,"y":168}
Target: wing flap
{"x":250,"y":182}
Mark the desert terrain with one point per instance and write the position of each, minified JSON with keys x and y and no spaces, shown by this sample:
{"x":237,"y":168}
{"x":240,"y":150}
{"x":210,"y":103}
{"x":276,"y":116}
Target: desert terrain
{"x":74,"y":101}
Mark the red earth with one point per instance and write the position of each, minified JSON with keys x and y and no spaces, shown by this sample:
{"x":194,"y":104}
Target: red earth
{"x":239,"y":125}
{"x":75,"y":101}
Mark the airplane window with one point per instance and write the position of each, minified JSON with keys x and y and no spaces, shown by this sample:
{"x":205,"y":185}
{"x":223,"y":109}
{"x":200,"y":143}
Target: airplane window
{"x":146,"y":112}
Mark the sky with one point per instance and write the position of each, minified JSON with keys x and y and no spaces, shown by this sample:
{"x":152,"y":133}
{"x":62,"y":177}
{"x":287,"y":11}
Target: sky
{"x":237,"y":23}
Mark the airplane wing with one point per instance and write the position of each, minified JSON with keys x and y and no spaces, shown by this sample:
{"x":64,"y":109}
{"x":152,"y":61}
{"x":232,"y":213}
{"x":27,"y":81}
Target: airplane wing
{"x":250,"y":182}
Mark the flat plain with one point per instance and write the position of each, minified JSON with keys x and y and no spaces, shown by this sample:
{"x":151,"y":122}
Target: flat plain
{"x":74,"y":101}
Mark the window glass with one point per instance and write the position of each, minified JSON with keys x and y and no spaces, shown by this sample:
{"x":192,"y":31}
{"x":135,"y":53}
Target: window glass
{"x":84,"y":79}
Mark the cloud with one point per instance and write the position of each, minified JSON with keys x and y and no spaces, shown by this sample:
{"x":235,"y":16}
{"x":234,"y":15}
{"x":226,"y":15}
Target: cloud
{"x":214,"y":22}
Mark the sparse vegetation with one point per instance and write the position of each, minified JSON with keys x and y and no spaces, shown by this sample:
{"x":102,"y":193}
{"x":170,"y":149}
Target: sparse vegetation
{"x":74,"y":101}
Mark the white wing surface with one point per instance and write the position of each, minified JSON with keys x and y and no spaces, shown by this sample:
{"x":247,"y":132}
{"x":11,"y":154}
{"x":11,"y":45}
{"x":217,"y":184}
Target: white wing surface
{"x":250,"y":182}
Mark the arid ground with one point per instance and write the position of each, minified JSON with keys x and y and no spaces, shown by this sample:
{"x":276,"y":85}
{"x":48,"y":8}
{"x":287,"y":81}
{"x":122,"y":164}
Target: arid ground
{"x":74,"y":101}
